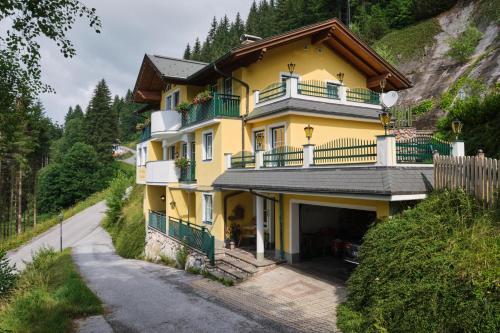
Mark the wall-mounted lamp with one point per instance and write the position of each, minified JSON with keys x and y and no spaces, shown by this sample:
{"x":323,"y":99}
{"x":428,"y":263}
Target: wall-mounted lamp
{"x":382,"y":84}
{"x":259,"y":141}
{"x":340,"y":77}
{"x":172,"y":204}
{"x":162,"y":198}
{"x":309,"y":133}
{"x":385,"y":119}
{"x":456,"y":127}
{"x":291,"y":68}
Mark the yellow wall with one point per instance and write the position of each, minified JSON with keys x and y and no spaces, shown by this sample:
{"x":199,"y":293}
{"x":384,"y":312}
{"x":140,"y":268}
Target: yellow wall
{"x":182,"y":199}
{"x":155,"y":151}
{"x":141,"y":173}
{"x":152,"y":199}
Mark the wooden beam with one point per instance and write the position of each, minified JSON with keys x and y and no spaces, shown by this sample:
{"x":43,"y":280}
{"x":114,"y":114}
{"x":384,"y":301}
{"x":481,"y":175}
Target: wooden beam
{"x":261,"y":54}
{"x":149,"y":96}
{"x":351,"y":57}
{"x":322,"y":36}
{"x":374,"y":81}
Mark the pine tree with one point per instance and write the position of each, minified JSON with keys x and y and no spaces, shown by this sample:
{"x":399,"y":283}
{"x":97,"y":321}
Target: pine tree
{"x":69,"y":115}
{"x":237,"y":29}
{"x":187,"y":52}
{"x":196,"y":54}
{"x":101,"y":123}
{"x":252,"y":22}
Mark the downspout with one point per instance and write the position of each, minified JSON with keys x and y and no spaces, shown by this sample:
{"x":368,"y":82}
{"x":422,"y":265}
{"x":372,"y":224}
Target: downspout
{"x":247,"y":104}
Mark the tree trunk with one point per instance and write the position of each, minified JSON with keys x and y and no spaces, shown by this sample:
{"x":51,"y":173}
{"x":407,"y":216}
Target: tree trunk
{"x":19,"y":201}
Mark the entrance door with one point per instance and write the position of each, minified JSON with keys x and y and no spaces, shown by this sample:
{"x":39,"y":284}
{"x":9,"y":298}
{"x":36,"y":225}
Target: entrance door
{"x":269,"y":223}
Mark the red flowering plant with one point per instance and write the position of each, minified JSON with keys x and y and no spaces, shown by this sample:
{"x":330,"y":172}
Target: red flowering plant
{"x":203,"y":97}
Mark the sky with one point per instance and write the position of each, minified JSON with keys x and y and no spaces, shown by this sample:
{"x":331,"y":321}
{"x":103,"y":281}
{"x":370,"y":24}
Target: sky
{"x":130,"y":28}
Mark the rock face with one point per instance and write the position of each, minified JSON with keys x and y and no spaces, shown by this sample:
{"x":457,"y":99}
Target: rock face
{"x":436,"y":72}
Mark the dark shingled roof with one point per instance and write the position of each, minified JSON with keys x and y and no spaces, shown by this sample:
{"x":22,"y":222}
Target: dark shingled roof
{"x":344,"y":180}
{"x":175,"y":68}
{"x":293,"y":104}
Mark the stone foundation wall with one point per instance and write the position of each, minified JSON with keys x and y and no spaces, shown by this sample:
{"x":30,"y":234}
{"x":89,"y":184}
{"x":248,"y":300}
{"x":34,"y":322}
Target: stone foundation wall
{"x":159,"y":244}
{"x":405,"y":133}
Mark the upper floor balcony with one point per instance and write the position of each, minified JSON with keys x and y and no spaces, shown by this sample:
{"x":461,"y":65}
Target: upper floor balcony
{"x":165,"y":122}
{"x":162,"y":172}
{"x":218,"y":106}
{"x":319,"y":91}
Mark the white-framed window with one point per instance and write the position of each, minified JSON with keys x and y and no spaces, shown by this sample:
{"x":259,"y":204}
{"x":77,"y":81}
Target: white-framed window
{"x":171,"y":153}
{"x":208,"y":146}
{"x":176,"y":99}
{"x":228,"y":86}
{"x":185,"y":150}
{"x":277,"y":137}
{"x":208,"y":208}
{"x":256,"y":136}
{"x":168,"y":104}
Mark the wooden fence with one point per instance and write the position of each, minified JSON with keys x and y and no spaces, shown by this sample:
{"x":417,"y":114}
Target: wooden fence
{"x":476,"y":175}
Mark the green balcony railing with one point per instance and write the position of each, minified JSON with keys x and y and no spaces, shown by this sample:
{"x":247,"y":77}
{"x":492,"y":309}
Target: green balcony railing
{"x":243,"y":160}
{"x":420,"y":149}
{"x":346,"y":150}
{"x":318,"y":89}
{"x":188,"y":173}
{"x":158,"y":221}
{"x":145,"y":134}
{"x":272,"y":91}
{"x":193,"y":235}
{"x":363,"y":95}
{"x":220,"y":105}
{"x":283,"y":156}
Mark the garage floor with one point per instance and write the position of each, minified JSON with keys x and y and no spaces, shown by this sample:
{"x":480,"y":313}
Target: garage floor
{"x":294,"y":296}
{"x":325,"y":268}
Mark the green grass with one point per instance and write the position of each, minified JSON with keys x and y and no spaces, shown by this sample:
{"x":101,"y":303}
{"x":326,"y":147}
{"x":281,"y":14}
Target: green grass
{"x":128,"y":233}
{"x":48,"y":222}
{"x":409,"y":43}
{"x":48,"y":295}
{"x":128,"y":169}
{"x":125,"y":155}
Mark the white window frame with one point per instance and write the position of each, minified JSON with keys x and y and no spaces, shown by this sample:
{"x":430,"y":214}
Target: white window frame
{"x":269,"y":133}
{"x":203,"y":146}
{"x":210,"y":219}
{"x":172,"y":99}
{"x":259,"y":129}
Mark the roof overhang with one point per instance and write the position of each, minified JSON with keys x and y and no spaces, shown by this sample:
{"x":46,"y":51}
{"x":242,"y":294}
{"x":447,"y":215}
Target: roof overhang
{"x":149,"y":84}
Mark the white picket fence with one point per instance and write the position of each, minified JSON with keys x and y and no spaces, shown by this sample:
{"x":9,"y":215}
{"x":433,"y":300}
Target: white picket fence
{"x":476,"y":175}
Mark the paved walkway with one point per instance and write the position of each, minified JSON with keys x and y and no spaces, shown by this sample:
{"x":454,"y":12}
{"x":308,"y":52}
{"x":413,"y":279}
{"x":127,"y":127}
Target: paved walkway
{"x":284,"y":295}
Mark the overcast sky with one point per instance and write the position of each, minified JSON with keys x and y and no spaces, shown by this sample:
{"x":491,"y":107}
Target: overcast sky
{"x":130,"y":28}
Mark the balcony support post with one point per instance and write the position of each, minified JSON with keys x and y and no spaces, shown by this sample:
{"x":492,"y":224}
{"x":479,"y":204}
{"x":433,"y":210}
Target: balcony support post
{"x":259,"y":201}
{"x":343,"y":94}
{"x":256,"y":95}
{"x":308,"y":155}
{"x":458,"y":148}
{"x":164,"y":149}
{"x":259,"y":159}
{"x":293,"y":84}
{"x":227,"y":160}
{"x":386,"y":150}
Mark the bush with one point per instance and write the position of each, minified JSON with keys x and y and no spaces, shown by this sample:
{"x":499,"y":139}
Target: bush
{"x":422,"y":107}
{"x":7,"y":275}
{"x":116,"y":197}
{"x":181,"y":257}
{"x":433,"y":268}
{"x":462,"y":47}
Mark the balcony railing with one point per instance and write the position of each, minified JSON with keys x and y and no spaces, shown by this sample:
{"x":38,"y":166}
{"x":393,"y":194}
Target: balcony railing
{"x":158,"y":221}
{"x":188,"y":173}
{"x":193,"y":235}
{"x":145,"y":134}
{"x":345,"y":150}
{"x":320,"y":91}
{"x":420,"y":149}
{"x":283,"y":156}
{"x":243,"y":160}
{"x":219,"y":106}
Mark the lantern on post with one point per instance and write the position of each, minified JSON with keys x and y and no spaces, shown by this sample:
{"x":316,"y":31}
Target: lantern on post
{"x":291,"y":68}
{"x":309,"y":132}
{"x":456,"y":127}
{"x":340,"y":77}
{"x":385,"y":119}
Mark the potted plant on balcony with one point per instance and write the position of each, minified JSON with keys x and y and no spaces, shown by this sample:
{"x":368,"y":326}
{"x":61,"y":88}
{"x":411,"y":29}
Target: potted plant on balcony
{"x":183,"y":107}
{"x":182,"y":162}
{"x":203,"y":97}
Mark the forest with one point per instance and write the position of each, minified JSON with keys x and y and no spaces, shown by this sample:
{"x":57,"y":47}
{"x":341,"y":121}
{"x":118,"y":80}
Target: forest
{"x":370,"y":19}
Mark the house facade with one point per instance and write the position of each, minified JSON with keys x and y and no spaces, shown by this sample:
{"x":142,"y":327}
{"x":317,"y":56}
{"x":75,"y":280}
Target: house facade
{"x":276,"y":147}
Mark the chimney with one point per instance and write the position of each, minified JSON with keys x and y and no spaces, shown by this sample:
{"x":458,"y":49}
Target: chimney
{"x":248,"y":39}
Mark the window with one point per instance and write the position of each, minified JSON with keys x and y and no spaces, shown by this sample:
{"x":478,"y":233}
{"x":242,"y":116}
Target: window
{"x":228,"y":86}
{"x":256,"y":136}
{"x":207,"y":146}
{"x":184,"y":150}
{"x":171,"y":153}
{"x":168,"y":105}
{"x":193,"y":145}
{"x":176,"y":99}
{"x":277,"y":137}
{"x":207,"y":208}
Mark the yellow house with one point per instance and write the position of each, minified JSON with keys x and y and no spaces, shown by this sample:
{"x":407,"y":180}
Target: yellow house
{"x":276,"y":148}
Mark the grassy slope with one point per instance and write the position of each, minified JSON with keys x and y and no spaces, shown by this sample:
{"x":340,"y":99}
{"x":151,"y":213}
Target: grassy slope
{"x":410,"y":42}
{"x":129,"y":233}
{"x":48,"y":295}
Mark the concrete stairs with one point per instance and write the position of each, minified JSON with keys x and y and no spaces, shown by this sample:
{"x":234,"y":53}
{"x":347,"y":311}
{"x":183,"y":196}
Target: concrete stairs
{"x":239,"y":265}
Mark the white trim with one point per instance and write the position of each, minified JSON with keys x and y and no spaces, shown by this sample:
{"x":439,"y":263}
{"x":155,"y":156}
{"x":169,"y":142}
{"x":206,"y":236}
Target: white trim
{"x":202,"y":124}
{"x":203,"y":151}
{"x":287,"y":74}
{"x":171,"y":94}
{"x":311,"y":114}
{"x":203,"y":208}
{"x":403,"y":165}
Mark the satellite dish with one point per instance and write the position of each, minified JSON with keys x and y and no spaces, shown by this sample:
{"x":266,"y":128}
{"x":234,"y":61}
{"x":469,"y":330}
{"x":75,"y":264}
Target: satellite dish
{"x":389,"y":99}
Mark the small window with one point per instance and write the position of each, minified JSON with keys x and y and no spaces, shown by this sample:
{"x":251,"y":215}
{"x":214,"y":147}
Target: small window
{"x":258,"y":136}
{"x":176,"y":99}
{"x":228,"y":86}
{"x":208,"y":208}
{"x":184,"y":150}
{"x":277,"y":137}
{"x":207,"y":147}
{"x":171,"y":153}
{"x":169,"y":103}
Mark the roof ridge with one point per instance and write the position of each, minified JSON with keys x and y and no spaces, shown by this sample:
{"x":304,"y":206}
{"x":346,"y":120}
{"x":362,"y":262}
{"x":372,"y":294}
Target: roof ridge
{"x":178,"y":59}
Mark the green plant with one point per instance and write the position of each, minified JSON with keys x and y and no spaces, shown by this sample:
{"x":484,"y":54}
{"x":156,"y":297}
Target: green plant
{"x":432,"y":268}
{"x":48,"y":296}
{"x":462,"y":47}
{"x":194,"y":270}
{"x":203,"y":97}
{"x":182,"y":162}
{"x":116,"y":196}
{"x":7,"y":275}
{"x":423,"y":107}
{"x":181,"y":257}
{"x":167,"y":260}
{"x":183,"y":107}
{"x":224,"y":281}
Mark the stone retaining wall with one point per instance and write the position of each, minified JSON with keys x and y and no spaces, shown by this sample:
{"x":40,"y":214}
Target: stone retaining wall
{"x":159,"y":244}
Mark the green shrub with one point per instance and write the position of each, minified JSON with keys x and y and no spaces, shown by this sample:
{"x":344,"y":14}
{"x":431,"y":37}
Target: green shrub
{"x":116,"y":197}
{"x":462,"y":47}
{"x":167,"y":260}
{"x":433,"y":268}
{"x":181,"y":257}
{"x":423,"y":107}
{"x":7,"y":275}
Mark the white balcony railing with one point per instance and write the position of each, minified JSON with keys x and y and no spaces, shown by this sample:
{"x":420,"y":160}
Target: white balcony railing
{"x":165,"y":122}
{"x":317,"y":91}
{"x":161,"y":172}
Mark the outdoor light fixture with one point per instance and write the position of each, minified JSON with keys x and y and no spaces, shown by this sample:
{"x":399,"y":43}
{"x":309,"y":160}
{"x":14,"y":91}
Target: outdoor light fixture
{"x":382,"y":84}
{"x":385,"y":119}
{"x":456,"y":127}
{"x":162,"y":198}
{"x":172,"y":204}
{"x":260,"y":141}
{"x":340,"y":77}
{"x":309,"y":133}
{"x":291,"y":68}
